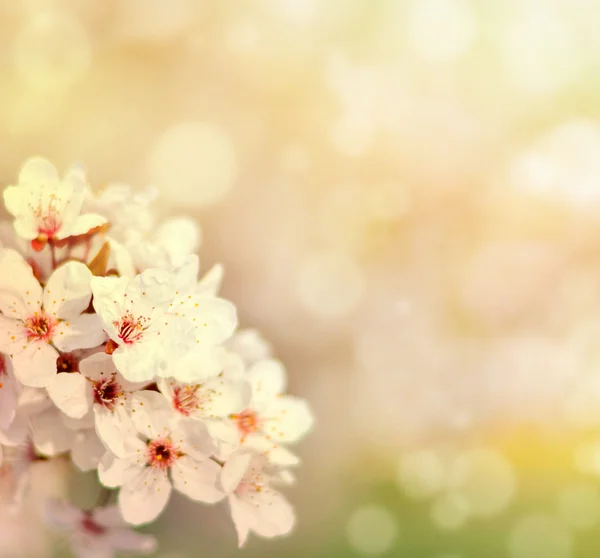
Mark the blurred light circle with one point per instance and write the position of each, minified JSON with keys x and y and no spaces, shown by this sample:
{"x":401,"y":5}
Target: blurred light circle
{"x":450,"y":512}
{"x":442,"y":29}
{"x":372,"y":530}
{"x":52,"y":51}
{"x":294,"y":159}
{"x":484,"y":479}
{"x":587,"y":458}
{"x":156,"y":19}
{"x":563,"y":164}
{"x":330,"y":285}
{"x":192,"y":164}
{"x":421,"y":474}
{"x":540,"y":50}
{"x":300,"y":11}
{"x":579,"y":505}
{"x":538,"y":536}
{"x":243,"y":36}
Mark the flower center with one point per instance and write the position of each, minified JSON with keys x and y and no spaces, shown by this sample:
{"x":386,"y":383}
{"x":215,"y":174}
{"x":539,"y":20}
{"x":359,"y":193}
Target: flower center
{"x":90,"y":526}
{"x":106,"y":393}
{"x":48,"y":217}
{"x":247,"y":421}
{"x":40,"y":327}
{"x":162,"y":453}
{"x":253,"y":481}
{"x":67,"y":362}
{"x":130,"y":329}
{"x":3,"y":369}
{"x":185,"y":400}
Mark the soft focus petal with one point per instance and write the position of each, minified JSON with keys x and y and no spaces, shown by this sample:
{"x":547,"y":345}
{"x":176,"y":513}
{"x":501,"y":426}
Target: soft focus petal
{"x":268,"y":379}
{"x":234,"y":470}
{"x":50,"y":435}
{"x":130,"y":541}
{"x":87,"y":450}
{"x":240,"y":516}
{"x":83,"y":224}
{"x":289,"y":418}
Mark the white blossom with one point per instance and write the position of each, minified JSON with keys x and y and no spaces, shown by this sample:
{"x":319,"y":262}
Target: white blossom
{"x":272,"y":419}
{"x":36,"y":323}
{"x":168,"y":453}
{"x":254,"y":504}
{"x":48,"y":208}
{"x":97,"y":387}
{"x":137,"y":317}
{"x":212,"y":402}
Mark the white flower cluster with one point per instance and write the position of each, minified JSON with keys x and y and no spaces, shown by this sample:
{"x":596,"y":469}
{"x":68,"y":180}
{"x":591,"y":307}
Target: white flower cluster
{"x":113,"y":352}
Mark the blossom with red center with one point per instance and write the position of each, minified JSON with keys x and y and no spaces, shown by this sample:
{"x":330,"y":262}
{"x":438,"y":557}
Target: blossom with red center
{"x":211,"y":402}
{"x":166,"y":453}
{"x":162,"y":454}
{"x":130,"y":329}
{"x":101,"y":388}
{"x":271,"y":420}
{"x":136,"y":315}
{"x":107,"y":392}
{"x":97,"y":532}
{"x":90,"y":525}
{"x":185,"y":399}
{"x":36,"y":321}
{"x":247,"y":422}
{"x":47,"y":208}
{"x":67,"y":362}
{"x":40,"y":327}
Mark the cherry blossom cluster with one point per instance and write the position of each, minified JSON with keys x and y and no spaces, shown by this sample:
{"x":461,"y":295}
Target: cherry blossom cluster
{"x":115,"y":354}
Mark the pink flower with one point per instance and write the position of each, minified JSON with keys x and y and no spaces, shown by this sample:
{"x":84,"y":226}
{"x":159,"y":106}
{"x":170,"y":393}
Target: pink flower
{"x":96,"y":533}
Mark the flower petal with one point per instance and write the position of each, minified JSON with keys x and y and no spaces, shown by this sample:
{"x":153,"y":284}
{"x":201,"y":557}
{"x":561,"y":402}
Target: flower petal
{"x":268,"y":379}
{"x":197,"y":480}
{"x":35,"y":366}
{"x":87,"y":450}
{"x":97,"y":366}
{"x":68,"y":292}
{"x":288,"y":419}
{"x":20,"y":291}
{"x":84,"y":332}
{"x":152,"y":415}
{"x":71,"y":393}
{"x":234,"y":470}
{"x":143,"y":498}
{"x":115,"y":427}
{"x":83,"y":224}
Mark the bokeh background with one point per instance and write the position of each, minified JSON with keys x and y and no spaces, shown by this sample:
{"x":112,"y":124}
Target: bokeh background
{"x":406,"y":197}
